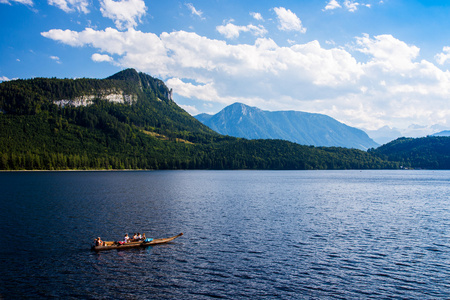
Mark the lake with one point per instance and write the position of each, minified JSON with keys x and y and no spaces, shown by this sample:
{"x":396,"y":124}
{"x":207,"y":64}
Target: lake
{"x":247,"y":234}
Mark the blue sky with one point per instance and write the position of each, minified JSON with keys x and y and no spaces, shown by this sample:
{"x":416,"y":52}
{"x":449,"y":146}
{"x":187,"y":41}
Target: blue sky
{"x":366,"y":63}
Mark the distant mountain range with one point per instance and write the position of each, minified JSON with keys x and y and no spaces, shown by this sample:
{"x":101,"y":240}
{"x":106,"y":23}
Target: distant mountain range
{"x":240,"y":120}
{"x":384,"y":134}
{"x":442,"y":133}
{"x":387,"y":134}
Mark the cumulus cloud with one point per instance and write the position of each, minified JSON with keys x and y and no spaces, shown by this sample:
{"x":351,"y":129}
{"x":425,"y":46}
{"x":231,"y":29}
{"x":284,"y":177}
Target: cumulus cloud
{"x":192,"y":110}
{"x":389,"y":82}
{"x":257,"y":16}
{"x":351,"y":6}
{"x":68,"y":37}
{"x":26,"y":2}
{"x":204,"y":92}
{"x":288,"y":21}
{"x":4,"y":78}
{"x":101,"y":57}
{"x":124,"y":13}
{"x":194,"y":11}
{"x":333,"y":4}
{"x":71,"y":5}
{"x":231,"y":31}
{"x":443,"y":57}
{"x":388,"y":52}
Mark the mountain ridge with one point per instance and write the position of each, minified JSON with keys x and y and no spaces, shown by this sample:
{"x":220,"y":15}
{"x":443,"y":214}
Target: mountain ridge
{"x":442,"y":133}
{"x":240,"y":120}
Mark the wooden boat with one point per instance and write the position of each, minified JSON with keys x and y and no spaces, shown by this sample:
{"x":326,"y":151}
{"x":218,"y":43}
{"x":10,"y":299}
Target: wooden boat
{"x":117,"y":245}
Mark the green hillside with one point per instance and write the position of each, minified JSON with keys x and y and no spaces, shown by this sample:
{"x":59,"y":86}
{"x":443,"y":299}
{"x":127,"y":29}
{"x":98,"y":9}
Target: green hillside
{"x":128,"y":121}
{"x":427,"y":153}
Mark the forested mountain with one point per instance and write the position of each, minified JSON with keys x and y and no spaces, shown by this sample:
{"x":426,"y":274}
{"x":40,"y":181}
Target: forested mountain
{"x":128,"y":121}
{"x":243,"y":121}
{"x":427,"y":153}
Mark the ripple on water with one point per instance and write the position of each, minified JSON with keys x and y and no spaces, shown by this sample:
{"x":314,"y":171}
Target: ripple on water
{"x":281,"y":235}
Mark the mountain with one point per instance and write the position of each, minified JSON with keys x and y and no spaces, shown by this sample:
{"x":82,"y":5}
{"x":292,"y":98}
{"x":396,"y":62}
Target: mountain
{"x":243,"y":121}
{"x":384,"y":134}
{"x":125,"y":121}
{"x":442,"y":133}
{"x":427,"y":153}
{"x":145,"y":101}
{"x":129,"y":121}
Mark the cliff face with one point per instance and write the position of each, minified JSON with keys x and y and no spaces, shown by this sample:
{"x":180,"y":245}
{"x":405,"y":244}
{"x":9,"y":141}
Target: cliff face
{"x":85,"y":100}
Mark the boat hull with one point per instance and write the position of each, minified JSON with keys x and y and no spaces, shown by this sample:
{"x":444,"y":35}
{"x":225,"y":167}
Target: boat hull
{"x":115,"y":245}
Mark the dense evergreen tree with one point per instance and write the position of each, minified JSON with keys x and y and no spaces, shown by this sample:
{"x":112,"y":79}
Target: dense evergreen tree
{"x":432,"y":152}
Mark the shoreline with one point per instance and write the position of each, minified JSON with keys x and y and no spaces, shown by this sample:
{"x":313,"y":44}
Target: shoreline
{"x":152,"y":170}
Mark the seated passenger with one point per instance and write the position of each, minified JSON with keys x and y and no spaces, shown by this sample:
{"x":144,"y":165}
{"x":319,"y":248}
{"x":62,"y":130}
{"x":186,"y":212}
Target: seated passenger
{"x":135,"y":237}
{"x":126,"y":239}
{"x":99,"y":242}
{"x":139,"y":236}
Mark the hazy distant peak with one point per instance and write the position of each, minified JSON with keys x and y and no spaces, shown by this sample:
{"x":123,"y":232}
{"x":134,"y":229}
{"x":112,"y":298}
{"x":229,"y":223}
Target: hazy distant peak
{"x":442,"y":133}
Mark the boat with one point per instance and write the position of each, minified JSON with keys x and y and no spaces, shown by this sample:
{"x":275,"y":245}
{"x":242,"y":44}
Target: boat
{"x":147,"y":242}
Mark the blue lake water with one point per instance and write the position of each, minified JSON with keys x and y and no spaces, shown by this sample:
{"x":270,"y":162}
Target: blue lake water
{"x":247,"y":234}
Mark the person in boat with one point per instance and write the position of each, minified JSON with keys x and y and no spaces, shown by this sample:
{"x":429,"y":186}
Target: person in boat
{"x":99,"y":242}
{"x":143,"y":237}
{"x":126,"y":238}
{"x":135,"y":237}
{"x":139,"y":237}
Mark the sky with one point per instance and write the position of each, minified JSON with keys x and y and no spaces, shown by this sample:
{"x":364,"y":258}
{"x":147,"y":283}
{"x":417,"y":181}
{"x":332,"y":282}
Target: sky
{"x":367,"y":63}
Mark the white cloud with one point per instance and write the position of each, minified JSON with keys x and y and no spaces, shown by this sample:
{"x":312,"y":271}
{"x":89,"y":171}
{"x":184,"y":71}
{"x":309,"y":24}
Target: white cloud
{"x":231,"y":31}
{"x":4,"y":78}
{"x":26,"y":2}
{"x":389,"y":86}
{"x":443,"y":57}
{"x":388,"y":52}
{"x":204,"y":92}
{"x":257,"y":16}
{"x":56,"y":58}
{"x":101,"y":57}
{"x":192,"y":110}
{"x":194,"y":11}
{"x":225,"y":72}
{"x":288,"y":21}
{"x":68,"y":37}
{"x":124,"y":13}
{"x":333,"y":4}
{"x":351,"y":6}
{"x":71,"y":5}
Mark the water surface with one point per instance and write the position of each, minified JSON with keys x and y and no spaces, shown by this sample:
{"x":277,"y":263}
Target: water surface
{"x":247,"y":234}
